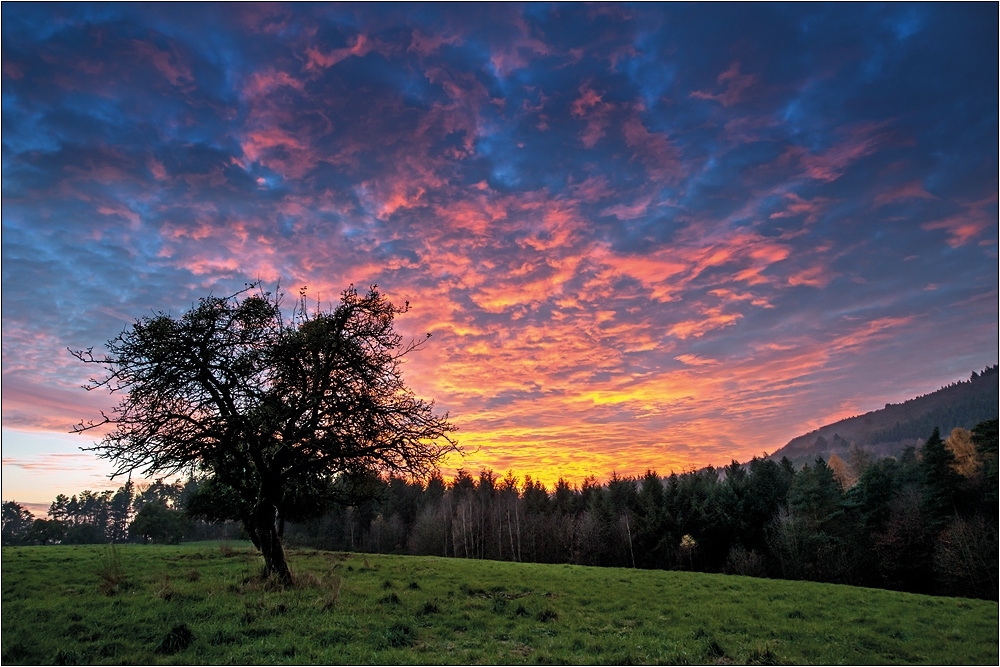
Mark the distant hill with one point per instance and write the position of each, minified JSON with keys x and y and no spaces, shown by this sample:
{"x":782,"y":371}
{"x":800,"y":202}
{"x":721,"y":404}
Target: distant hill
{"x":888,"y":431}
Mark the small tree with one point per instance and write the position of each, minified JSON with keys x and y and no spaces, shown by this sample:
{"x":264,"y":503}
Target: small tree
{"x":275,"y":413}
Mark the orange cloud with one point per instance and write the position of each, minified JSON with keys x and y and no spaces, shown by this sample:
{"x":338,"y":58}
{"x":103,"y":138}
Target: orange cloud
{"x":813,"y":276}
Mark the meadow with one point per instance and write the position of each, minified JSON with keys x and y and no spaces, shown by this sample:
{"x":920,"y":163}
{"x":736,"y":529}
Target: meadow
{"x":204,"y":603}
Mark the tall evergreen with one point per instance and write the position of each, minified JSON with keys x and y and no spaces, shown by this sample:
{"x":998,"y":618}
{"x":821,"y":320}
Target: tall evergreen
{"x":941,"y":482}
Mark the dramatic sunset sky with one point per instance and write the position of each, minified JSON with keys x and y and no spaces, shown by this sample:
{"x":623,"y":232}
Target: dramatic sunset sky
{"x":641,"y":236}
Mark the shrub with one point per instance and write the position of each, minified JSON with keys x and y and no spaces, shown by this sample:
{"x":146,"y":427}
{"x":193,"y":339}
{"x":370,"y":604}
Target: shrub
{"x":66,"y":657}
{"x":715,"y":650}
{"x":178,"y":639}
{"x":329,"y":601}
{"x":547,"y":615}
{"x":746,"y":563}
{"x":110,"y":570}
{"x":499,"y":604}
{"x":399,"y":635}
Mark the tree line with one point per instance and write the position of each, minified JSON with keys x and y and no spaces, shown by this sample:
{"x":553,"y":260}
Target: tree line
{"x":925,"y":521}
{"x":959,"y":410}
{"x":157,"y":512}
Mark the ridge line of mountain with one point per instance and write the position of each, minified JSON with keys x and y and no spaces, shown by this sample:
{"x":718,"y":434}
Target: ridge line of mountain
{"x":889,"y":430}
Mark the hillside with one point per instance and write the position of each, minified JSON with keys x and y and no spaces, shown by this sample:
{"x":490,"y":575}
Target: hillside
{"x":200,"y":604}
{"x":889,"y":431}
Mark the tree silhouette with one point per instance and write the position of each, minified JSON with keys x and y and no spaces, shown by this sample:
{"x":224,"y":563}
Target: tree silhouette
{"x":276,"y":413}
{"x":16,"y":521}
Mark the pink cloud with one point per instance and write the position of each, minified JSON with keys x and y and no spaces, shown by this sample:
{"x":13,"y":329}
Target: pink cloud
{"x":796,"y":206}
{"x":424,"y":45}
{"x":316,"y":60}
{"x":263,"y":17}
{"x":969,"y":224}
{"x":747,"y":129}
{"x":911,"y":190}
{"x":595,"y":111}
{"x":661,"y":158}
{"x":734,"y":86}
{"x":49,"y":406}
{"x":517,"y":52}
{"x":167,"y":63}
{"x":860,"y":141}
{"x":629,"y":211}
{"x":813,"y":276}
{"x":262,"y":83}
{"x":695,"y":360}
{"x":593,"y":189}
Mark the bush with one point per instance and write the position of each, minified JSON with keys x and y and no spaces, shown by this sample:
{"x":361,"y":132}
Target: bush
{"x":547,"y":615}
{"x":399,"y":635}
{"x":110,"y":570}
{"x":178,"y":639}
{"x":746,"y":563}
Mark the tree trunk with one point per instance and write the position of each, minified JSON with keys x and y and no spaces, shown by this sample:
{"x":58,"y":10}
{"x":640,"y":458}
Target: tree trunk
{"x":264,"y":535}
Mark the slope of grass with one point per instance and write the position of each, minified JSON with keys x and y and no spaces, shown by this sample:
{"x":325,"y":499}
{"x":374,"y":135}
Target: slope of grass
{"x":202,"y":603}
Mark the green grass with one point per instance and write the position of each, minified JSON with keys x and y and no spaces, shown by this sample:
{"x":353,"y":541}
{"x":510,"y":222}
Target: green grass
{"x":202,"y":603}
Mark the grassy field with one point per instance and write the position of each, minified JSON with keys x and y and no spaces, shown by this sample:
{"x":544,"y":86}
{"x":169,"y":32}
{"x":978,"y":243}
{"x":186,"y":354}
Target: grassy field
{"x":201,"y":603}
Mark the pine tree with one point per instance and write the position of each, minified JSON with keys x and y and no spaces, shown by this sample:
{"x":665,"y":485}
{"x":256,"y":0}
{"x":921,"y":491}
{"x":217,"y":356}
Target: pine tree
{"x":940,"y":480}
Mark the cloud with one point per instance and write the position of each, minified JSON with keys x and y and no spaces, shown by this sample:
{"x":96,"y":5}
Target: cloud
{"x":828,"y":165}
{"x":618,"y":272}
{"x":517,"y":51}
{"x":911,"y":190}
{"x":661,"y":157}
{"x":695,"y":360}
{"x":969,"y":224}
{"x":316,"y":59}
{"x":590,"y":107}
{"x":734,"y":84}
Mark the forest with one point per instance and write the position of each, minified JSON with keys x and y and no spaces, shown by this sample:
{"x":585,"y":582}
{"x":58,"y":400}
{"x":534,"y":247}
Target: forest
{"x":925,"y":521}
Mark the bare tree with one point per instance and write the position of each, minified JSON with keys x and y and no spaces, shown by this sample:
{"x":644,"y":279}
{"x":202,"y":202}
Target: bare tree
{"x":278,"y":414}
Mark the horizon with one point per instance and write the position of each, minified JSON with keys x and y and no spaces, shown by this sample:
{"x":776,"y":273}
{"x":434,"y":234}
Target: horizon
{"x":40,"y":509}
{"x":642,"y":237}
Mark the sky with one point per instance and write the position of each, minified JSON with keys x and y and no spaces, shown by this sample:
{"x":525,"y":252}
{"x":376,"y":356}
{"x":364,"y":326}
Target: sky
{"x":642,"y":237}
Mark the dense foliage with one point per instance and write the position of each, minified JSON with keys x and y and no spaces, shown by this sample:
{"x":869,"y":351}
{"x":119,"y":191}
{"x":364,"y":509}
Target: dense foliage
{"x":925,"y":522}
